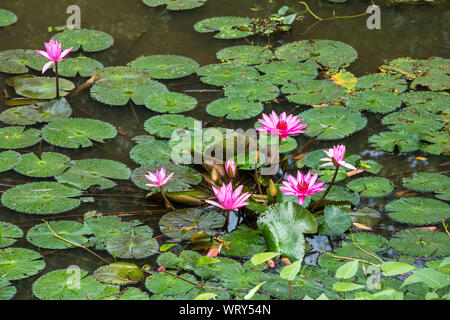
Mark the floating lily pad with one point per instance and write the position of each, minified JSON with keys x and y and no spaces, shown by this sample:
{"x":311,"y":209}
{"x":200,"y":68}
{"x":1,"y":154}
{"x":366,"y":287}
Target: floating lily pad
{"x":41,"y":198}
{"x":170,"y":102}
{"x":374,"y":101}
{"x":336,"y":220}
{"x":42,"y":87}
{"x":421,"y":243}
{"x":331,"y":123}
{"x":166,"y":66}
{"x":7,"y":290}
{"x":163,"y":283}
{"x":88,"y":172}
{"x":9,"y":233}
{"x":19,"y":263}
{"x":382,"y":82}
{"x":121,"y":77}
{"x":418,"y":210}
{"x":252,"y":90}
{"x":47,"y":111}
{"x":427,"y":100}
{"x":133,"y":293}
{"x":328,"y":53}
{"x":89,"y":40}
{"x":163,"y":126}
{"x":184,"y":223}
{"x":371,"y":186}
{"x":370,"y":166}
{"x":16,"y":61}
{"x":119,"y":273}
{"x":283,"y":72}
{"x":439,"y":142}
{"x":9,"y":159}
{"x":234,"y":108}
{"x":77,"y":132}
{"x":149,"y":153}
{"x":132,"y":245}
{"x":176,"y":4}
{"x":121,"y":96}
{"x":285,"y":146}
{"x":7,"y":18}
{"x":404,"y":141}
{"x":369,"y":241}
{"x":245,"y":54}
{"x":314,"y":92}
{"x":338,"y":195}
{"x":16,"y":137}
{"x":226,"y":73}
{"x":83,"y":66}
{"x":228,"y":27}
{"x":244,"y":242}
{"x":41,"y":236}
{"x":50,"y":164}
{"x":427,"y":181}
{"x":184,"y":177}
{"x":413,"y":121}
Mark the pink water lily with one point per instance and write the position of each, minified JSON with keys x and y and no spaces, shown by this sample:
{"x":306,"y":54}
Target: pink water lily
{"x":304,"y":185}
{"x":229,"y":200}
{"x":158,"y":179}
{"x":230,"y":168}
{"x":54,"y":53}
{"x":338,"y":153}
{"x":282,"y":126}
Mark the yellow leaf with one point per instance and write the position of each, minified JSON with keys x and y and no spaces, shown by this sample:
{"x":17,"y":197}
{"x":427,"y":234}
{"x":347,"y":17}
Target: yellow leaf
{"x":345,"y":79}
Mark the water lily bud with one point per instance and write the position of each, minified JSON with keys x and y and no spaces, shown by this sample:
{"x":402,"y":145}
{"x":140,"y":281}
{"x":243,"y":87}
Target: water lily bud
{"x":256,"y":157}
{"x":272,"y":189}
{"x":214,"y":175}
{"x":230,"y":168}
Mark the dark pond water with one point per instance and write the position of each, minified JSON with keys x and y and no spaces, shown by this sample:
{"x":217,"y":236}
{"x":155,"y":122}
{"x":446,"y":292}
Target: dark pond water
{"x":418,"y":31}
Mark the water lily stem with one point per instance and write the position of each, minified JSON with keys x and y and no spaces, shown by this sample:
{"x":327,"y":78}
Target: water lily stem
{"x":167,"y":202}
{"x":57,"y":80}
{"x":316,"y":205}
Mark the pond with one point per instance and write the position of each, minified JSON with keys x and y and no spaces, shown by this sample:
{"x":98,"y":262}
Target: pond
{"x":382,"y":93}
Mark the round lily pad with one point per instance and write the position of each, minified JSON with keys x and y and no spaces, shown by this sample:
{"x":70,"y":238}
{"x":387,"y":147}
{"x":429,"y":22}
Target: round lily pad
{"x":121,"y":96}
{"x":328,"y":53}
{"x":283,"y":72}
{"x":41,"y":236}
{"x":285,"y":146}
{"x":89,"y":40}
{"x":382,"y":82}
{"x":252,"y":90}
{"x":338,"y":195}
{"x":421,"y":243}
{"x":149,"y":153}
{"x":245,"y":54}
{"x":164,"y":125}
{"x":418,"y":210}
{"x":314,"y":92}
{"x":9,"y":233}
{"x":228,"y":27}
{"x":404,"y":141}
{"x":19,"y":263}
{"x":439,"y":142}
{"x":50,"y":164}
{"x":331,"y":123}
{"x":83,"y":66}
{"x":41,"y":198}
{"x":7,"y":290}
{"x":184,"y":223}
{"x":176,"y":4}
{"x":163,"y":283}
{"x":371,"y":186}
{"x":369,"y":241}
{"x":16,"y":137}
{"x":16,"y":61}
{"x":119,"y":273}
{"x":132,"y":245}
{"x":413,"y":121}
{"x":234,"y":108}
{"x":77,"y":132}
{"x":170,"y":102}
{"x":121,"y":77}
{"x":427,"y":100}
{"x":42,"y":87}
{"x":9,"y":159}
{"x":7,"y":18}
{"x":244,"y":242}
{"x":427,"y":181}
{"x":374,"y":101}
{"x":166,"y":66}
{"x":88,"y":172}
{"x":226,"y":73}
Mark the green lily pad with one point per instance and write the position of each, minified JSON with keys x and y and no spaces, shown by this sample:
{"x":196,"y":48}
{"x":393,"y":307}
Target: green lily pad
{"x":421,"y":243}
{"x":133,"y":293}
{"x":166,"y":66}
{"x":42,"y":87}
{"x":7,"y":18}
{"x":19,"y":263}
{"x":120,"y":273}
{"x":234,"y":108}
{"x":332,"y":123}
{"x":370,"y":242}
{"x":228,"y":27}
{"x":223,"y":74}
{"x":89,"y":40}
{"x":336,"y":220}
{"x":170,"y":102}
{"x":83,"y":66}
{"x":47,"y":111}
{"x":283,"y":72}
{"x":16,"y":137}
{"x":9,"y":233}
{"x":374,"y":101}
{"x":77,"y":132}
{"x":338,"y":195}
{"x":427,"y":181}
{"x":166,"y":284}
{"x":184,"y":223}
{"x":328,"y":53}
{"x":382,"y":82}
{"x":149,"y":153}
{"x":245,"y":54}
{"x":121,"y":77}
{"x":439,"y":142}
{"x":41,"y":236}
{"x":121,"y":96}
{"x":418,"y":210}
{"x":176,"y":4}
{"x":252,"y":90}
{"x":132,"y":245}
{"x":50,"y":164}
{"x":16,"y":61}
{"x":41,"y":198}
{"x":244,"y":242}
{"x":404,"y":141}
{"x":88,"y":172}
{"x":413,"y":121}
{"x":164,"y":125}
{"x":370,"y":166}
{"x":371,"y":186}
{"x":7,"y":290}
{"x":9,"y":159}
{"x":427,"y":100}
{"x":285,"y":146}
{"x":314,"y":92}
